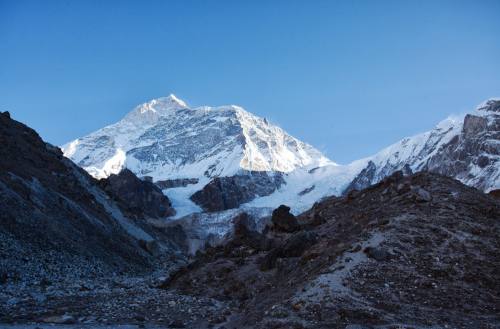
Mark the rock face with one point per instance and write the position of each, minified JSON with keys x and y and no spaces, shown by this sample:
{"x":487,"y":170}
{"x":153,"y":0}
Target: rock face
{"x":468,"y":150}
{"x":137,"y":198}
{"x":363,"y":179}
{"x":418,"y":250}
{"x":230,"y":192}
{"x":54,"y":220}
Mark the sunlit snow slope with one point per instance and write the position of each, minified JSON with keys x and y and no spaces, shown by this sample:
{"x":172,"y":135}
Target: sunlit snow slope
{"x":165,"y":139}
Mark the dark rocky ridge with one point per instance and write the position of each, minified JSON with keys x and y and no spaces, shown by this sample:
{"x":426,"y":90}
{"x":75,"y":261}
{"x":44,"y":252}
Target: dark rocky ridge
{"x":420,"y":249}
{"x":55,"y":221}
{"x":67,"y":253}
{"x":224,"y":193}
{"x":137,"y":198}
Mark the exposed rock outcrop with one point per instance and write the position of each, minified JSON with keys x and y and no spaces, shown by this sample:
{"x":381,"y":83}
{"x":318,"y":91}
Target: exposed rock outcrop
{"x":137,"y":198}
{"x":466,"y":150}
{"x":54,"y":220}
{"x":230,"y":192}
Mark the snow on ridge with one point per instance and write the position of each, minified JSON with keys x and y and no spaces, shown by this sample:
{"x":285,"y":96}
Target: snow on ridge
{"x":484,"y":105}
{"x":164,"y":138}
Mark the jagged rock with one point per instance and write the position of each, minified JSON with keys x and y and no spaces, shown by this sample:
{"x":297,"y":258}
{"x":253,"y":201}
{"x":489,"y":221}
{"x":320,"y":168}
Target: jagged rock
{"x":474,"y":125}
{"x":283,"y":220}
{"x":364,"y":179}
{"x":492,"y":105}
{"x":137,"y":198}
{"x":224,"y":193}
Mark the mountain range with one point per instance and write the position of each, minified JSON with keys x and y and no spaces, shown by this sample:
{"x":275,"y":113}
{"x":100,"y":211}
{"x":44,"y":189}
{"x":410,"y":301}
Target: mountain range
{"x":210,"y":159}
{"x":412,"y":249}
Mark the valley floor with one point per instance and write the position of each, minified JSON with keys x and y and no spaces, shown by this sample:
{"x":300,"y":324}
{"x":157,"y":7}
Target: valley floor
{"x":127,"y":302}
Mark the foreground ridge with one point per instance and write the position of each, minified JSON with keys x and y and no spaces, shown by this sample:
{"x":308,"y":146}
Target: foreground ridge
{"x":419,"y":250}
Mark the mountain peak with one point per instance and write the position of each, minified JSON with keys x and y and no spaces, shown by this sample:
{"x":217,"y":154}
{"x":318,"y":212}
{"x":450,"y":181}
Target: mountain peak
{"x":491,"y":105}
{"x":150,"y":111}
{"x":174,"y":100}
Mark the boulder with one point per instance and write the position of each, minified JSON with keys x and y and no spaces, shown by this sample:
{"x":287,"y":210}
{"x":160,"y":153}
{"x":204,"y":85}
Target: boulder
{"x":283,"y":220}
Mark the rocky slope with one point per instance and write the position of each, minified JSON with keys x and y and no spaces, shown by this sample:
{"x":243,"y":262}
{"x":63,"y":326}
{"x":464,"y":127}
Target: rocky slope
{"x":419,"y":250}
{"x":56,"y":222}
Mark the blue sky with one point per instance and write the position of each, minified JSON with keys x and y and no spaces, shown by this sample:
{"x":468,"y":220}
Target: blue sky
{"x":348,"y":77}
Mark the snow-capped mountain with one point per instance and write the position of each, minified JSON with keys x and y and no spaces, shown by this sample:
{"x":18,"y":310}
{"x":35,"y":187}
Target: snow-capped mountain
{"x":186,"y":148}
{"x":218,"y":158}
{"x":466,"y":148}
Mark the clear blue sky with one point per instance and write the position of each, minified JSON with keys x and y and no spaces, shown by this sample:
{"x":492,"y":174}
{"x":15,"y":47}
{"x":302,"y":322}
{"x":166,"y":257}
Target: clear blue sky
{"x":349,"y":77}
